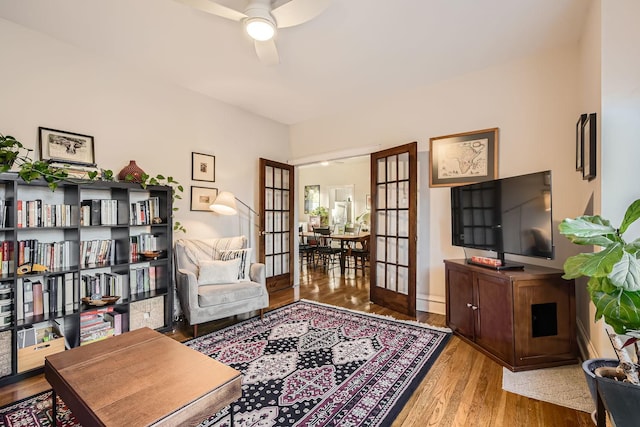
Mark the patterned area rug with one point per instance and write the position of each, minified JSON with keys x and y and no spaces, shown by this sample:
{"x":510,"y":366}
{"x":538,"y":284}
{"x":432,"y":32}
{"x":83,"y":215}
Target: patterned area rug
{"x":304,"y":364}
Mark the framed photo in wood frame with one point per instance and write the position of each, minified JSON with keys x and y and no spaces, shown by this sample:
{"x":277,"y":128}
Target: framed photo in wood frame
{"x":589,"y":135}
{"x":463,"y":158}
{"x":202,"y":198}
{"x":66,"y":147}
{"x":203,"y":167}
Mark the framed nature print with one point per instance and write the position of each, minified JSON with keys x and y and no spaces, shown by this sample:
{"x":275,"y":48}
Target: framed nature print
{"x":311,"y":197}
{"x":66,"y":147}
{"x":203,"y":167}
{"x":463,"y":158}
{"x":202,"y":198}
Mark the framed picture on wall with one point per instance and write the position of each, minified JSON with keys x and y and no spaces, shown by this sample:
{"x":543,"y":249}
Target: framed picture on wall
{"x":311,"y":197}
{"x":203,"y":167}
{"x":202,"y":198}
{"x":589,"y":147}
{"x":463,"y":158}
{"x":66,"y":147}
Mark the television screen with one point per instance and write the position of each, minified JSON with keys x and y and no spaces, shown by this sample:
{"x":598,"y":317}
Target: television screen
{"x":508,"y":215}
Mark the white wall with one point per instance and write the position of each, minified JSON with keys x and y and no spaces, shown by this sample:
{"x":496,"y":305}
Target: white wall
{"x":534,"y":103}
{"x":620,"y":113}
{"x":47,"y":83}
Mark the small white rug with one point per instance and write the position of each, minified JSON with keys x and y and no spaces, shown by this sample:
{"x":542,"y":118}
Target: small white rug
{"x":564,"y":386}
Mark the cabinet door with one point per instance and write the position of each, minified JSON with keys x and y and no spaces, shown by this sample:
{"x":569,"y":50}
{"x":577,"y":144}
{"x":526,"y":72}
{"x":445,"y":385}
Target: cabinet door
{"x":459,"y":294}
{"x":494,"y":320}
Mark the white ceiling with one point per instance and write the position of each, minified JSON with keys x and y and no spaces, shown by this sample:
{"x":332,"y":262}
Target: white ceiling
{"x":356,"y":51}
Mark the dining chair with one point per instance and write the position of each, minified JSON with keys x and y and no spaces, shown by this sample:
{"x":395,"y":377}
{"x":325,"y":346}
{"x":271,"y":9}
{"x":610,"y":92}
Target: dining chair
{"x":327,"y":253}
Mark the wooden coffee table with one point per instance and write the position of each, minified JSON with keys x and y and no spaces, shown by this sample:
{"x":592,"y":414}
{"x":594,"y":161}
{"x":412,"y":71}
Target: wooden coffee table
{"x":141,"y":378}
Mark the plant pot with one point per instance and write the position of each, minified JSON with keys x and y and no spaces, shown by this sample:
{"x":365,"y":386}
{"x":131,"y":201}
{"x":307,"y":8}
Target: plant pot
{"x":589,"y":367}
{"x":620,"y":399}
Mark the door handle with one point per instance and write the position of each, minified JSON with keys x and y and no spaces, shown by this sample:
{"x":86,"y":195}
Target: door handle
{"x":471,"y":306}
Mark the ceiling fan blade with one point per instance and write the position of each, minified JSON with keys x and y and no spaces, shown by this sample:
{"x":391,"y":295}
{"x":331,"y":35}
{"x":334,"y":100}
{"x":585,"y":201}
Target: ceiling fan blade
{"x":215,"y":9}
{"x":267,"y":52}
{"x":297,"y":12}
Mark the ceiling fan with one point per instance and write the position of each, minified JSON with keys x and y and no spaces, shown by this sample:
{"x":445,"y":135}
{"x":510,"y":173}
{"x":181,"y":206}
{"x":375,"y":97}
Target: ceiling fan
{"x":261,"y":19}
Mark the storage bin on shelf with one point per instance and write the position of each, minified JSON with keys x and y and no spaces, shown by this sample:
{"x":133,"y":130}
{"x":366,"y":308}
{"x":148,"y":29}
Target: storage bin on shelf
{"x":148,"y":312}
{"x":48,"y":340}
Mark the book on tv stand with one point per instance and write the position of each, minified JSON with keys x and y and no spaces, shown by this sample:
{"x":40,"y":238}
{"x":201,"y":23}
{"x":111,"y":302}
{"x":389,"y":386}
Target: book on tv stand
{"x":494,"y":263}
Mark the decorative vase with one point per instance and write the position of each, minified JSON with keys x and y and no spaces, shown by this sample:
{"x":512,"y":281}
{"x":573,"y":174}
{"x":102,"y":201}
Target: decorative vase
{"x":132,"y":171}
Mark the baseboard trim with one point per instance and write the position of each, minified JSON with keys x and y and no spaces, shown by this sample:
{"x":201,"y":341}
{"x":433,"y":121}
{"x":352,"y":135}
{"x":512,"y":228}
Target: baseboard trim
{"x":431,"y":304}
{"x":585,"y":346}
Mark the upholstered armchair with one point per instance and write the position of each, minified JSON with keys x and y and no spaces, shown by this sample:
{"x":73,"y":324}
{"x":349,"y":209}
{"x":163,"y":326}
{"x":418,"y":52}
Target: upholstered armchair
{"x":215,"y":279}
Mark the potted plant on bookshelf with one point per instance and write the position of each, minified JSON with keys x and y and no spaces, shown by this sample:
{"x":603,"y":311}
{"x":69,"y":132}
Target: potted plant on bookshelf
{"x":614,"y":288}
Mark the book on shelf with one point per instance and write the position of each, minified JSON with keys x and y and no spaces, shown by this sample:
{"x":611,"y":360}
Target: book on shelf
{"x":27,"y":298}
{"x":4,"y":208}
{"x":38,"y":300}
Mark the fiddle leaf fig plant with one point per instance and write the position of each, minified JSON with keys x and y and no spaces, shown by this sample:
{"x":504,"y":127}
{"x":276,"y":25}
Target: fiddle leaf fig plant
{"x":614,"y":274}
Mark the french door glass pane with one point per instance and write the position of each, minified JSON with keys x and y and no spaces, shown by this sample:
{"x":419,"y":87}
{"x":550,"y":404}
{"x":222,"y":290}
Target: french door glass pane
{"x":380,"y":249}
{"x":285,"y":200}
{"x":403,"y":223}
{"x":392,"y":197}
{"x":403,"y":166}
{"x":381,"y":276}
{"x":285,"y":263}
{"x":392,"y":222}
{"x":268,"y":176}
{"x":269,"y":265}
{"x":403,"y":252}
{"x":381,"y":223}
{"x":277,"y":265}
{"x":392,"y":163}
{"x":277,"y":221}
{"x":403,"y":195}
{"x":268,"y":222}
{"x":391,"y":278}
{"x":285,"y":221}
{"x":391,"y":249}
{"x":268,"y":244}
{"x":381,"y":202}
{"x":285,"y":179}
{"x":268,"y":199}
{"x":277,"y":200}
{"x":403,"y":280}
{"x":382,"y":171}
{"x":277,"y":178}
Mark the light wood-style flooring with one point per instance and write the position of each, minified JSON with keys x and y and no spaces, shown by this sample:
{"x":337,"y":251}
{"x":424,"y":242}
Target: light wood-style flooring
{"x":462,"y":388}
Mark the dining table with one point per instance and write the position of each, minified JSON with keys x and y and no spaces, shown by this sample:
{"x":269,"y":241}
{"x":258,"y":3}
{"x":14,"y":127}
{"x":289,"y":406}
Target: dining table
{"x":348,"y":238}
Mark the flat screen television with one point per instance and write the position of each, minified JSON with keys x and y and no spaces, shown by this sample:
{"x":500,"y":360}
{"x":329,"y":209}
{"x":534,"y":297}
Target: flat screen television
{"x":509,"y":215}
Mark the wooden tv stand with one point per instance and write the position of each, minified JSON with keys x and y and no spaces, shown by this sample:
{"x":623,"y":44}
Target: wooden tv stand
{"x":523,"y":319}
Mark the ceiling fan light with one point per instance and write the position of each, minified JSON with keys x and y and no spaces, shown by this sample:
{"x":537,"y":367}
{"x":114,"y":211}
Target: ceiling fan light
{"x":260,"y":29}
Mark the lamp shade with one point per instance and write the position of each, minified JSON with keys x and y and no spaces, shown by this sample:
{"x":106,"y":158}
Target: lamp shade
{"x":225,"y":204}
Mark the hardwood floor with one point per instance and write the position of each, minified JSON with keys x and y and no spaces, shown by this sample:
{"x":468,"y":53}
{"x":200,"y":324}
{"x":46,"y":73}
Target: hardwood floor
{"x":462,"y":388}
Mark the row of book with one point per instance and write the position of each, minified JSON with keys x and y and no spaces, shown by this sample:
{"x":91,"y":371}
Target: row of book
{"x":99,"y":212}
{"x":35,"y":213}
{"x":7,"y":264}
{"x":144,"y":242}
{"x":144,"y":211}
{"x":53,"y":255}
{"x":97,"y":252}
{"x":4,"y":208}
{"x":98,"y":285}
{"x":94,"y":327}
{"x":143,"y":279}
{"x":51,"y":296}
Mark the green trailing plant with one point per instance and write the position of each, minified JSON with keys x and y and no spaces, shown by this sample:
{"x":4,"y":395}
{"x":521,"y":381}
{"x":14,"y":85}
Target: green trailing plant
{"x":614,"y":275}
{"x":13,"y":154}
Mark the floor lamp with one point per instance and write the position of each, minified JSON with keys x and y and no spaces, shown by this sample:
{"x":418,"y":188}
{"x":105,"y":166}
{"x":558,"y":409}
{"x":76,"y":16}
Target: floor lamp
{"x":225,"y":204}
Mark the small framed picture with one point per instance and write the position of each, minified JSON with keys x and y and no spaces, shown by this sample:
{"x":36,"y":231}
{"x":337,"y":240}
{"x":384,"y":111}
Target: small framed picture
{"x":202,"y":198}
{"x":367,"y":204}
{"x":66,"y":147}
{"x":203,"y":167}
